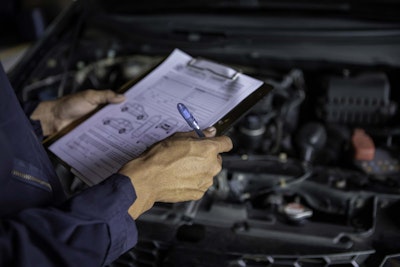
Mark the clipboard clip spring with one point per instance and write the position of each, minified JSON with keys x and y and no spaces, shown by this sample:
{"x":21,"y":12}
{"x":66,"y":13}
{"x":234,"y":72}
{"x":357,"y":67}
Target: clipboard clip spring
{"x":215,"y":68}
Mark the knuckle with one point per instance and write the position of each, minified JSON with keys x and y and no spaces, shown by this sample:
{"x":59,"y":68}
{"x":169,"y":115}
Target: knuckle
{"x":227,"y":142}
{"x":197,"y":195}
{"x":89,"y":92}
{"x":109,"y":93}
{"x":216,"y":168}
{"x":208,"y":183}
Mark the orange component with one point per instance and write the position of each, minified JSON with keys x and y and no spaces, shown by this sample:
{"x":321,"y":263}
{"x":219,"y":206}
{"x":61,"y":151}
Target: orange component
{"x":364,"y":147}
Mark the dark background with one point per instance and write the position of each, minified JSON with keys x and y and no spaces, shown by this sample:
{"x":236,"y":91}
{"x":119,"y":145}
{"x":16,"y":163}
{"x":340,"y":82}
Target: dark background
{"x":25,"y":20}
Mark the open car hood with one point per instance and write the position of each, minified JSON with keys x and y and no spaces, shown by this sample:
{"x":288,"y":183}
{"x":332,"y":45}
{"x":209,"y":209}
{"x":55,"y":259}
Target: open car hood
{"x":335,"y":67}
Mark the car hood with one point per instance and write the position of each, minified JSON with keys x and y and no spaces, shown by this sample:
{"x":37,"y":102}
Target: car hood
{"x":375,"y":9}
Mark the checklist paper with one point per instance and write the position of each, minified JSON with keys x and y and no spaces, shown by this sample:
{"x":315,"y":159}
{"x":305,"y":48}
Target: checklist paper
{"x":118,"y":133}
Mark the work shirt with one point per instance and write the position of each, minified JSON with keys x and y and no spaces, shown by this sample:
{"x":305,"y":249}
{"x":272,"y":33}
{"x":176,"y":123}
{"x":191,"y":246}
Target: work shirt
{"x":38,"y":226}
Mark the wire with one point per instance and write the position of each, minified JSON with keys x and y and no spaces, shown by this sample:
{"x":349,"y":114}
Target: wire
{"x":284,"y":184}
{"x":61,"y":88}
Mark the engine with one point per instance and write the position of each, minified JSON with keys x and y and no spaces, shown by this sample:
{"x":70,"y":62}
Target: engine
{"x":313,"y":179}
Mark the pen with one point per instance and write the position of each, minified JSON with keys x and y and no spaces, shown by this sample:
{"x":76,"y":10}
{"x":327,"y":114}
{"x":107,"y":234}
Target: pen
{"x":184,"y":111}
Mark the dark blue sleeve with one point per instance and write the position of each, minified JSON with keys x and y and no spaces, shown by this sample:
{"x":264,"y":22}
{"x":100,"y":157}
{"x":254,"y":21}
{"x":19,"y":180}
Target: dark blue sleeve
{"x":91,"y":229}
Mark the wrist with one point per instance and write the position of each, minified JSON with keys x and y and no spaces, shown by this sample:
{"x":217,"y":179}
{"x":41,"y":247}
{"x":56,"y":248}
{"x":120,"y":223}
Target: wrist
{"x":144,"y":192}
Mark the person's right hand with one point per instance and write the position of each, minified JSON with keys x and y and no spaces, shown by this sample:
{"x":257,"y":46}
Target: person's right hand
{"x":179,"y":168}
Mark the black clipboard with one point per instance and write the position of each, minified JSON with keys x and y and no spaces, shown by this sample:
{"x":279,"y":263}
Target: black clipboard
{"x":200,"y":64}
{"x":222,"y":126}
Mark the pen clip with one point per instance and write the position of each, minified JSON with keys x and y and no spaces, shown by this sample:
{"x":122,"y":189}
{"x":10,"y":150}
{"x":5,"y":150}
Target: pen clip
{"x":215,"y":68}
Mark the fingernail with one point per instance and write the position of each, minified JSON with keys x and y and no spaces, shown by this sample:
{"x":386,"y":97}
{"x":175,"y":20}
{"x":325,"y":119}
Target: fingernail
{"x":211,"y":129}
{"x":120,"y":96}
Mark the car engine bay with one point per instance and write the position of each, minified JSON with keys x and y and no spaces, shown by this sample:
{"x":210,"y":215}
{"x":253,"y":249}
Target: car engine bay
{"x":313,"y":179}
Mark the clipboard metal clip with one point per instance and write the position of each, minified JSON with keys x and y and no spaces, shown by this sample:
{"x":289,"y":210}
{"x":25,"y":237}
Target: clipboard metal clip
{"x":215,"y":68}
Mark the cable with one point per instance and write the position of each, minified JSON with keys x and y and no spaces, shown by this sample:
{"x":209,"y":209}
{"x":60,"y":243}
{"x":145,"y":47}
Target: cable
{"x":60,"y":91}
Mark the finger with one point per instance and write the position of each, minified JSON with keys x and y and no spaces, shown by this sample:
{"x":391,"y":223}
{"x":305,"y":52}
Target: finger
{"x":217,"y":165}
{"x":113,"y":97}
{"x":183,"y":195}
{"x":104,"y":97}
{"x":219,"y":159}
{"x":194,"y":195}
{"x":210,"y":132}
{"x":224,"y":143}
{"x":206,"y":183}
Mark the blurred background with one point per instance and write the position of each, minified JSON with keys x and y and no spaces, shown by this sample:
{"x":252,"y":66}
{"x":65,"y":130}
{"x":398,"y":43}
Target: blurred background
{"x":22,"y":22}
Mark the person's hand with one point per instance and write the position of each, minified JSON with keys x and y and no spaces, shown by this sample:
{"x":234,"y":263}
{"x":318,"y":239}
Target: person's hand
{"x":179,"y":168}
{"x":56,"y":114}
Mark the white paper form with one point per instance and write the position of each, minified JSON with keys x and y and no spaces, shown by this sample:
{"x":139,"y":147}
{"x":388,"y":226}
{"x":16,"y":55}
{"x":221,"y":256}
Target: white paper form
{"x":118,"y":133}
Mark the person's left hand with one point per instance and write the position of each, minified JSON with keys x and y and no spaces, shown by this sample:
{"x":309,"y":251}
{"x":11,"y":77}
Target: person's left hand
{"x":56,"y":114}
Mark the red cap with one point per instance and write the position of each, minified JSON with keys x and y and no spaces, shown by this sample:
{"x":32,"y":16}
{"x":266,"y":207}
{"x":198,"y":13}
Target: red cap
{"x":364,"y":148}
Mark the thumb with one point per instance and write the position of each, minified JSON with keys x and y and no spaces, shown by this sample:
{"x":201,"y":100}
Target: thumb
{"x":113,"y":97}
{"x":106,"y":96}
{"x":209,"y":132}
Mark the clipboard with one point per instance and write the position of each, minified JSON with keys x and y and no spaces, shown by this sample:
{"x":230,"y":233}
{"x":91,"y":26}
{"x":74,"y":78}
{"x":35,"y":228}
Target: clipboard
{"x":198,"y":66}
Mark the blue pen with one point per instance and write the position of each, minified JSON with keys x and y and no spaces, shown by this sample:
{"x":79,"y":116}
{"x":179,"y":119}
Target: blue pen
{"x":184,"y":111}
